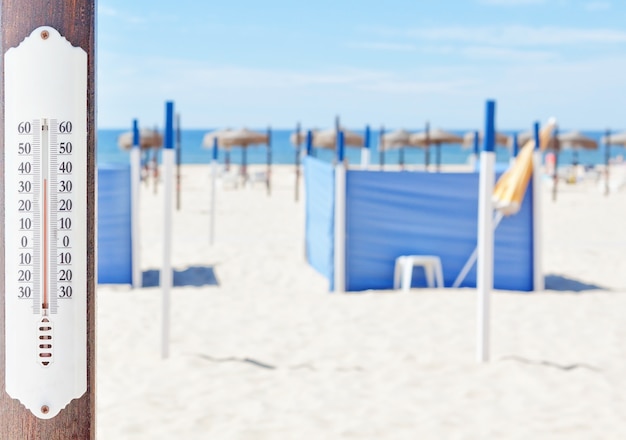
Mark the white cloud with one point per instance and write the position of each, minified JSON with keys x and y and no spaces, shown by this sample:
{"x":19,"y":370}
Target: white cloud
{"x":107,"y":11}
{"x":598,"y":6}
{"x":405,"y":87}
{"x":386,"y":47}
{"x":506,"y":54}
{"x":209,"y":95}
{"x":518,"y":35}
{"x":511,"y":2}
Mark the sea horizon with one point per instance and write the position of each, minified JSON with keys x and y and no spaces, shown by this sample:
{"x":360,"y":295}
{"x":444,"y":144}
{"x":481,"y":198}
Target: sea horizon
{"x":283,"y":152}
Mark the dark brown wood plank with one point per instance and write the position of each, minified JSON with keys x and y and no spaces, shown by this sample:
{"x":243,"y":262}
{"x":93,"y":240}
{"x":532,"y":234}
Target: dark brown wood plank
{"x":75,"y":20}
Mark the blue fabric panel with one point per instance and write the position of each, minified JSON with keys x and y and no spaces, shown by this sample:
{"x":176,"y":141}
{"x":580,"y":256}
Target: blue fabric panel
{"x":319,"y":179}
{"x":114,"y":229}
{"x":403,"y":213}
{"x":513,"y":266}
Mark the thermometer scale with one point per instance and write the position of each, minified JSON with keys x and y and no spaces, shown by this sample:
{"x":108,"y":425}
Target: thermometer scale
{"x":45,"y":222}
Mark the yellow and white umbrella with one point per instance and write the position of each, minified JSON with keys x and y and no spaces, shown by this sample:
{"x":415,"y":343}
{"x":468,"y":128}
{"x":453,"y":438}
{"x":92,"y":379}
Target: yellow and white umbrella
{"x":510,"y":189}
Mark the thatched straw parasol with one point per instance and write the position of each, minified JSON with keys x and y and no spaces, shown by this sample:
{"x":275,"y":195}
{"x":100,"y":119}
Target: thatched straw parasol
{"x":148,"y":138}
{"x":435,"y":137}
{"x":244,"y":138}
{"x":614,"y":139}
{"x":501,"y":139}
{"x":207,"y":140}
{"x":298,"y":137}
{"x":328,"y":139}
{"x":575,"y":139}
{"x":395,"y":140}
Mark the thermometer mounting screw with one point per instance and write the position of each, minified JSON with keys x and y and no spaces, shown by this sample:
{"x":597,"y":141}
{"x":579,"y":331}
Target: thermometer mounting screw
{"x":45,"y":35}
{"x":45,"y":409}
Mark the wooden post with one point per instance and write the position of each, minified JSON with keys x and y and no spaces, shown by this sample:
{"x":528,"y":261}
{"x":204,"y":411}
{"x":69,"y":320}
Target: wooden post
{"x":381,"y":147}
{"x":178,"y":161}
{"x":297,"y":161}
{"x":268,"y":177}
{"x":75,"y":21}
{"x":607,"y":161}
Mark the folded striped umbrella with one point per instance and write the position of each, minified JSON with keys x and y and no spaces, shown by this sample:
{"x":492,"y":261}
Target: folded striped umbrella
{"x":510,"y":189}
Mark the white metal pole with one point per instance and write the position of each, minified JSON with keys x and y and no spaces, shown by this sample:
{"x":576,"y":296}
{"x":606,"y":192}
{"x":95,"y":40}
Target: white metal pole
{"x":484,"y":270}
{"x":340,"y":219}
{"x":135,"y":177}
{"x":365,"y":151}
{"x":213,"y":186}
{"x":166,"y":271}
{"x":365,"y":158}
{"x":538,"y":278}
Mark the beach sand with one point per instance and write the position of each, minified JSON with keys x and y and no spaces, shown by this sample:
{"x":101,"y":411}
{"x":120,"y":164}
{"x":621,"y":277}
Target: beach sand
{"x":260,"y":349}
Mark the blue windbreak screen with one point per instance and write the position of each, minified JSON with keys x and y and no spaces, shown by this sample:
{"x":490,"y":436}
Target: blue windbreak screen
{"x":320,"y":200}
{"x":389,"y":214}
{"x":114,"y":229}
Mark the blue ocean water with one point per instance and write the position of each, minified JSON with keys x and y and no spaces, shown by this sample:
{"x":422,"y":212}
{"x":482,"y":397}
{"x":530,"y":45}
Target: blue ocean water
{"x":283,"y":152}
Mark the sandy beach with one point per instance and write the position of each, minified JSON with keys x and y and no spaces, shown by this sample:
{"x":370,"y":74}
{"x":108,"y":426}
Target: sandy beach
{"x":260,"y":349}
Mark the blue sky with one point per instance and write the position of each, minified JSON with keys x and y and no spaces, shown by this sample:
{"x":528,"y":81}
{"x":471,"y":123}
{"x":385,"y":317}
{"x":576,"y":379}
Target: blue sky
{"x":394,"y":62}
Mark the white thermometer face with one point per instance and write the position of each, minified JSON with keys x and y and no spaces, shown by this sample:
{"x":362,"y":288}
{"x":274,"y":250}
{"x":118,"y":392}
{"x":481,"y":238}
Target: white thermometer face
{"x":45,"y":160}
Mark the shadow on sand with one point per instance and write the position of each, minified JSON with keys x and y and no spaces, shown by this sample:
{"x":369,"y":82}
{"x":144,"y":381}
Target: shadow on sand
{"x":196,"y":276}
{"x":561,"y":283}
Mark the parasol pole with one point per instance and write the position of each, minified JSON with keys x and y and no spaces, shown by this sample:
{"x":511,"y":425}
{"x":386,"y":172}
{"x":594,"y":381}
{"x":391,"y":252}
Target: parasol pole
{"x":213,"y":186}
{"x":427,"y":147}
{"x":381,"y":149}
{"x":401,"y":158}
{"x":365,"y":152}
{"x":297,"y":162}
{"x":538,"y":279}
{"x":340,"y":217}
{"x":309,"y":143}
{"x":135,"y":177}
{"x":555,"y":174}
{"x":178,"y":160}
{"x":268,"y":177}
{"x":514,"y":148}
{"x":607,"y":157}
{"x":438,"y":146}
{"x":475,"y":150}
{"x":166,"y":271}
{"x":308,"y":148}
{"x":155,"y":166}
{"x":244,"y":164}
{"x":484,"y":274}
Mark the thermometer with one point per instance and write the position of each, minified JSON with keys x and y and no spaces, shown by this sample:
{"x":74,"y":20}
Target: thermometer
{"x":45,"y":144}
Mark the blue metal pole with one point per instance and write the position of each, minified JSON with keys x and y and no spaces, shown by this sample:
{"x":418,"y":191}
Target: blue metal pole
{"x":490,"y":127}
{"x":515,"y":145}
{"x":169,"y":125}
{"x":135,"y":133}
{"x":214,"y":149}
{"x":536,"y":136}
{"x":476,"y":143}
{"x":340,"y":146}
{"x":309,"y":142}
{"x":366,"y":141}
